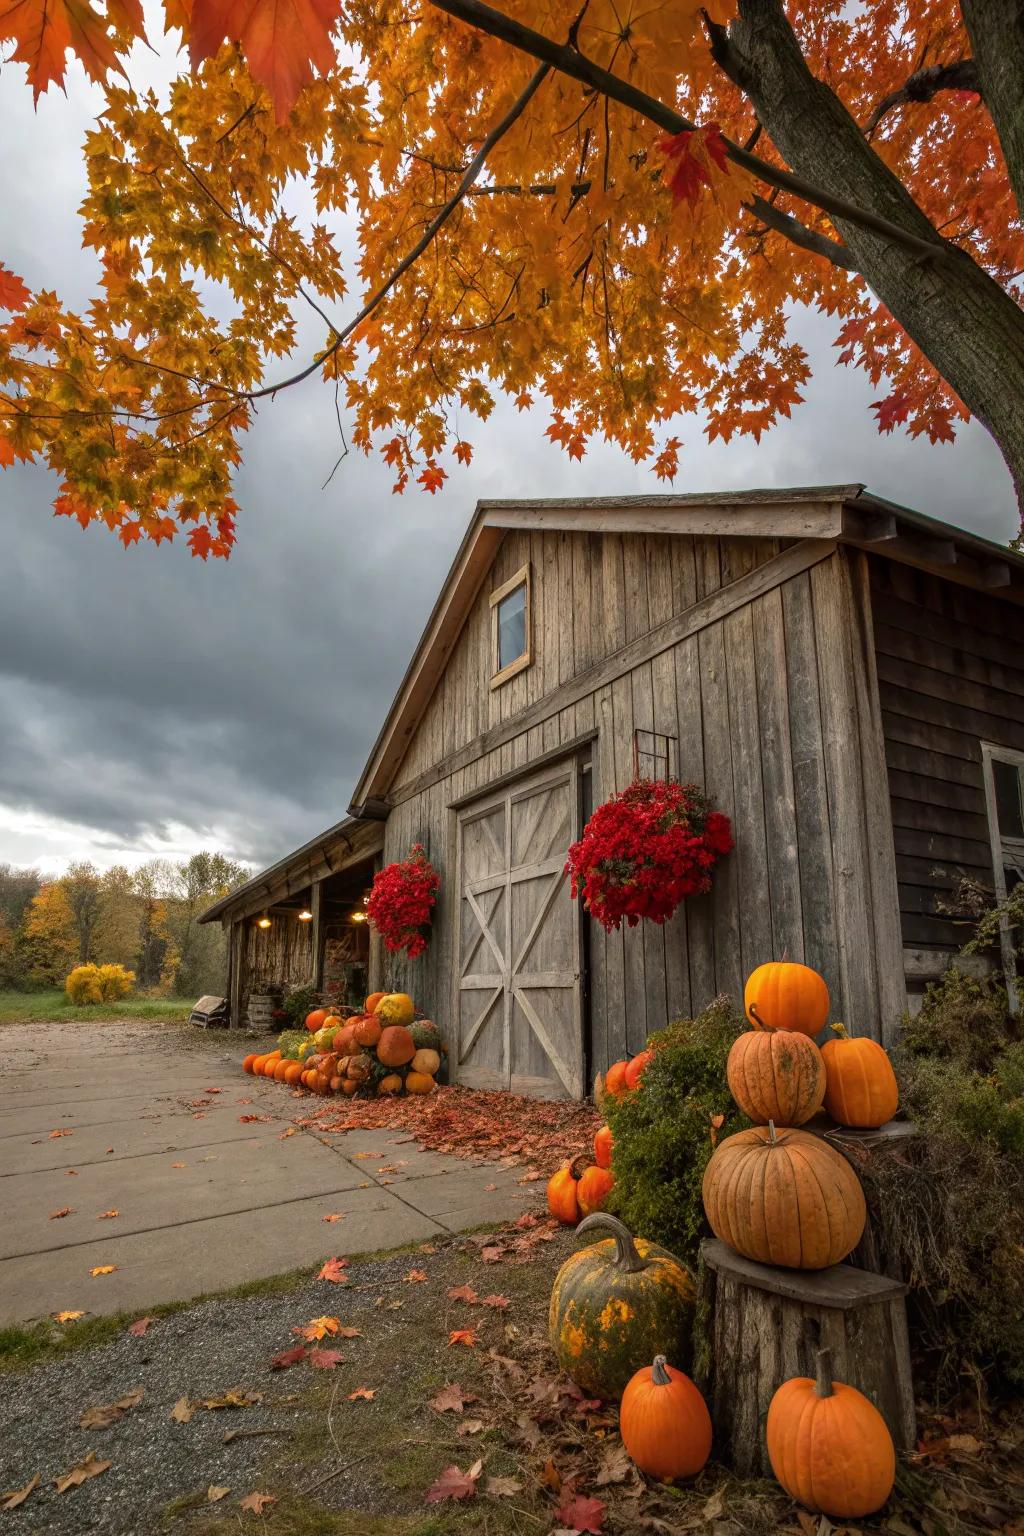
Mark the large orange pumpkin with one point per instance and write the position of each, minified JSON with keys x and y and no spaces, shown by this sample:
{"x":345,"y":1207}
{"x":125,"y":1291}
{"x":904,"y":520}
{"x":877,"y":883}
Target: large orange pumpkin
{"x":562,"y":1191}
{"x":664,"y":1422}
{"x":783,"y":994}
{"x":635,"y":1067}
{"x":257,"y":1064}
{"x":603,"y":1147}
{"x":784,"y":1197}
{"x":776,"y":1074}
{"x":368,"y":1031}
{"x":593,"y":1189}
{"x":829,"y":1446}
{"x":315,"y":1020}
{"x":860,"y":1087}
{"x":396,"y":1046}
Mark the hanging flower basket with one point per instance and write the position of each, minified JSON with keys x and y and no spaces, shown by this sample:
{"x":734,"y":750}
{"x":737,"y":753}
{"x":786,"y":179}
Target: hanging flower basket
{"x":645,"y":850}
{"x":401,"y":902}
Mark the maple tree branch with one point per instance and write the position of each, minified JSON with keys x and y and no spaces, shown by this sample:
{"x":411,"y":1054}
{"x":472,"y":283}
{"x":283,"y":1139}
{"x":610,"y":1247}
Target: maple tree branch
{"x":923,"y":84}
{"x":569,"y":61}
{"x":799,"y":234}
{"x":473,"y":170}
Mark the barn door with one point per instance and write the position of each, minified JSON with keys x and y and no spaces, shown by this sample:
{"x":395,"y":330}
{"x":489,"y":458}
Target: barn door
{"x":518,"y":955}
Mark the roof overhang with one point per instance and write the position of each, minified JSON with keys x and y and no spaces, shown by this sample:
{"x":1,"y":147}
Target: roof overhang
{"x":348,"y":842}
{"x":847,"y":513}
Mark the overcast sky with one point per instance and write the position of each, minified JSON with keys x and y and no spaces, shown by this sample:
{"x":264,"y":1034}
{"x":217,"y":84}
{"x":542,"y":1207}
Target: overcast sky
{"x":153,"y":705}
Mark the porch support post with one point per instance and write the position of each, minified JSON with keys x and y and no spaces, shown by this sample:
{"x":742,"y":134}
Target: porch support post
{"x":316,"y":907}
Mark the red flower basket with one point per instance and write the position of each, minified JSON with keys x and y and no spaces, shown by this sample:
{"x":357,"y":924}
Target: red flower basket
{"x":645,"y":850}
{"x":401,"y":902}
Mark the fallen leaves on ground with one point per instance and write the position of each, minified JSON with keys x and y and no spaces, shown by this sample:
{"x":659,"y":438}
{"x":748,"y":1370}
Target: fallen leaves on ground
{"x":105,"y":1414}
{"x":89,"y":1467}
{"x":256,"y":1503}
{"x":106,"y":1215}
{"x":415,"y":1275}
{"x":365,"y":1393}
{"x":348,"y":1332}
{"x":464,"y":1336}
{"x":72,"y":1173}
{"x":503,"y":1487}
{"x":64,"y":1132}
{"x":463,"y":1293}
{"x":252,"y":1119}
{"x":577,"y":1512}
{"x":68,"y":1317}
{"x":289,"y":1357}
{"x":471,"y":1426}
{"x":215,"y":1493}
{"x":292,"y":1130}
{"x":178,"y":1165}
{"x":325,"y":1359}
{"x":236,"y":1397}
{"x":334,"y":1216}
{"x":182,"y":1411}
{"x":319,"y":1328}
{"x":57,"y":1215}
{"x":103,"y":1269}
{"x":454,"y":1484}
{"x":18,"y":1495}
{"x":334,"y":1270}
{"x":452,"y":1399}
{"x":138,"y":1328}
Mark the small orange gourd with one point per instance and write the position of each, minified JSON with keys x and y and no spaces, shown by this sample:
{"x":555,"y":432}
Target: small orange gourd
{"x":783,"y":994}
{"x":664,"y":1422}
{"x":593,"y":1189}
{"x":349,"y":1086}
{"x":603,"y":1147}
{"x":293,"y":1073}
{"x":280,"y":1070}
{"x":390,"y":1084}
{"x":860,"y":1084}
{"x":829,"y":1446}
{"x":562,"y":1192}
{"x":370,"y":1006}
{"x":419,"y":1082}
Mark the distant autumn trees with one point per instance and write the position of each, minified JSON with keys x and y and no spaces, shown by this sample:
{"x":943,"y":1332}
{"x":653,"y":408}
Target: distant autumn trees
{"x":145,"y":919}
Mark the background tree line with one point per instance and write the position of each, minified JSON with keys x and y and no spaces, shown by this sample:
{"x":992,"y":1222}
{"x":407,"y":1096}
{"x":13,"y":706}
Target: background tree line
{"x":146,"y":919}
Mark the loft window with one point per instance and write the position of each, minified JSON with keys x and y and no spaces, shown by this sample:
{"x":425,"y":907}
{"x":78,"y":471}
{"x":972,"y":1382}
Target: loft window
{"x":1004,"y":802}
{"x":510,"y":627}
{"x":654,"y":755}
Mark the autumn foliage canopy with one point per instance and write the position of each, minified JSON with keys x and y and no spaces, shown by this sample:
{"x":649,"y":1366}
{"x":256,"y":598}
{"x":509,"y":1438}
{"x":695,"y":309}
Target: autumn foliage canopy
{"x":614,"y":271}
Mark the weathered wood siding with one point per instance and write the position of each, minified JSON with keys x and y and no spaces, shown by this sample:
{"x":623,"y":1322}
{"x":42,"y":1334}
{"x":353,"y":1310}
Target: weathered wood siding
{"x":278,"y":956}
{"x":757,"y":659}
{"x":950,"y":675}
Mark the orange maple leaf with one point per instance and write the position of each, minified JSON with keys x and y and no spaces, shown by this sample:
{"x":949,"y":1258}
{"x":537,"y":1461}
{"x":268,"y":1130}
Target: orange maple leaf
{"x":13,"y":293}
{"x":464,"y":1336}
{"x":432,"y":478}
{"x":334,"y":1270}
{"x":43,"y":31}
{"x":369,"y":1393}
{"x":282,"y":40}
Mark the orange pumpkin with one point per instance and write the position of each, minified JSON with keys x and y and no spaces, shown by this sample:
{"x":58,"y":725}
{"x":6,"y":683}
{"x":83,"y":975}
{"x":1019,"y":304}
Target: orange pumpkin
{"x":782,"y":994}
{"x":270,"y":1063}
{"x":829,"y":1446}
{"x":257,"y":1065}
{"x":293,"y":1073}
{"x":307,"y":1078}
{"x":280,"y":1070}
{"x":603,"y":1147}
{"x":345,"y":1040}
{"x":860,"y":1085}
{"x":247,"y":1064}
{"x":784,"y":1197}
{"x":615,"y":1079}
{"x":634,"y":1068}
{"x":349,"y":1086}
{"x":370,"y":1006}
{"x":335,"y":1084}
{"x":664,"y":1422}
{"x":776,"y":1074}
{"x":396,"y":1046}
{"x":368,"y":1031}
{"x":315,"y":1020}
{"x":593,"y":1189}
{"x":332,"y":1021}
{"x":419,"y":1082}
{"x":390,"y":1084}
{"x":562,"y":1192}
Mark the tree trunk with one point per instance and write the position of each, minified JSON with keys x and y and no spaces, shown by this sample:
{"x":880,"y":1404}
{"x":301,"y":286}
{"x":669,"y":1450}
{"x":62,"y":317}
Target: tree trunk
{"x":966,"y":325}
{"x":996,"y":31}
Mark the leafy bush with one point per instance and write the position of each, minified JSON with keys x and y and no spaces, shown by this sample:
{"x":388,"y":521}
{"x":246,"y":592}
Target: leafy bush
{"x":298,"y":1002}
{"x":89,"y":984}
{"x":664,"y":1132}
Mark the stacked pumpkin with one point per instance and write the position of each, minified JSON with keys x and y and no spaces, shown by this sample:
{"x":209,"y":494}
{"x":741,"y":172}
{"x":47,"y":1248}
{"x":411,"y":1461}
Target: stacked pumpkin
{"x":779,"y":1195}
{"x":383,"y":1050}
{"x":581,"y":1187}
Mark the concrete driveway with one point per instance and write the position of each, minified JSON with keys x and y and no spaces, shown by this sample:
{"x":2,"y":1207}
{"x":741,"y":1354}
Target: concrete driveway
{"x":155,"y":1123}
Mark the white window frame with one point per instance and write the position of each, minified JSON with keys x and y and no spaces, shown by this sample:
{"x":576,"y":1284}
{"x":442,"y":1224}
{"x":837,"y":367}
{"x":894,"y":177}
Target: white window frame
{"x":501,"y":675}
{"x":1004,"y":850}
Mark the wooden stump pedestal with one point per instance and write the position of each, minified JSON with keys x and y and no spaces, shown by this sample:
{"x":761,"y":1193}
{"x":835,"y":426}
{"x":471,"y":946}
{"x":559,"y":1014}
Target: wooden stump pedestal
{"x":769,"y":1325}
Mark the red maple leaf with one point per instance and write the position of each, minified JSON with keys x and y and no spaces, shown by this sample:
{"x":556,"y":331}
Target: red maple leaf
{"x":334,"y":1270}
{"x":463,"y":452}
{"x":454,"y":1484}
{"x":463,"y":1293}
{"x":13,"y":293}
{"x":579,"y":1513}
{"x":325,"y":1359}
{"x":289,"y":1357}
{"x":432,"y":478}
{"x":691,"y":171}
{"x":464,"y":1336}
{"x":282,"y":41}
{"x":138,"y":1328}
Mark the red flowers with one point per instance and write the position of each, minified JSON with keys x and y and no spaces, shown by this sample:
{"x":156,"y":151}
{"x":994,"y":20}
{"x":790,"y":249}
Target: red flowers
{"x":645,"y":850}
{"x":401,"y":901}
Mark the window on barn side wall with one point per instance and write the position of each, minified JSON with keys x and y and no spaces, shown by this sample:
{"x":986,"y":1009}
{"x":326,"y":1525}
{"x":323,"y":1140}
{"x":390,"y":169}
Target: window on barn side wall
{"x":1004,"y":800}
{"x":654,"y":756}
{"x":511,"y":648}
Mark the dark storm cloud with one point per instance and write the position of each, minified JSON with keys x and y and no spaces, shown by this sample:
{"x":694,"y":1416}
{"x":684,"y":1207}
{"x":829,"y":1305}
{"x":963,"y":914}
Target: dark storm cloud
{"x":146,"y":698}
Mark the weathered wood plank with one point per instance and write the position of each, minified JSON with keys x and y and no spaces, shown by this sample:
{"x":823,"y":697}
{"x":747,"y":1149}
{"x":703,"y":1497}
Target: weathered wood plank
{"x":751,"y":852}
{"x":718,"y":782}
{"x":769,"y":642}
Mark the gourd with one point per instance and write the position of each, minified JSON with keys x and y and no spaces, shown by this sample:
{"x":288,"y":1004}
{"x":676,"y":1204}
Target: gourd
{"x":371,"y":1002}
{"x":390,"y":1084}
{"x":603,"y":1147}
{"x":563,"y":1202}
{"x":615,"y":1305}
{"x":635,"y":1067}
{"x":829,"y":1446}
{"x":345,"y":1040}
{"x":315,"y":1020}
{"x":335,"y":1084}
{"x":358,"y":1068}
{"x":349,"y":1086}
{"x":395,"y":1008}
{"x":776,"y":1075}
{"x":419,"y":1082}
{"x":784,"y":1197}
{"x":367,"y":1031}
{"x":293,"y":1073}
{"x":860,"y":1087}
{"x":664,"y":1422}
{"x":615,"y":1079}
{"x":247,"y":1064}
{"x":395,"y":1047}
{"x":426,"y":1060}
{"x":425,"y":1033}
{"x":279,"y":1071}
{"x":593,"y":1189}
{"x":782,"y":994}
{"x":270,"y":1062}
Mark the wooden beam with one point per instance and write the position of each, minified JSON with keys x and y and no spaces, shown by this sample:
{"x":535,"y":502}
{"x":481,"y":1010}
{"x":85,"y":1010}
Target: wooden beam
{"x":316,"y":907}
{"x":793,"y":520}
{"x":725,"y":600}
{"x":869,"y":527}
{"x":995,"y":573}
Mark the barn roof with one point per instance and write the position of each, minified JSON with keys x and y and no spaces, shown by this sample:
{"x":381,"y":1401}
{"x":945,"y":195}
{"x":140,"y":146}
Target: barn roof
{"x":848,"y":514}
{"x":346,"y":842}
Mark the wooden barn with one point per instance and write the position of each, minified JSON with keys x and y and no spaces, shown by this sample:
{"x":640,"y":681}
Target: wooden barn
{"x":841,"y":675}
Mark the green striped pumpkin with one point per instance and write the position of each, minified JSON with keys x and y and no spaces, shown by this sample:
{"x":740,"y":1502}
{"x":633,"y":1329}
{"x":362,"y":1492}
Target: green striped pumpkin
{"x":617,"y":1304}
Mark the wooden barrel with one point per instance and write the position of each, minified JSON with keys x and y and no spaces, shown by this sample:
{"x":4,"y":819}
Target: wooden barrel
{"x":261,"y":1012}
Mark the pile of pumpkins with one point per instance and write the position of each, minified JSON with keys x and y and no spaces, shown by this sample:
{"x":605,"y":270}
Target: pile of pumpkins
{"x":778,"y":1195}
{"x":581,"y":1187}
{"x":384,"y":1050}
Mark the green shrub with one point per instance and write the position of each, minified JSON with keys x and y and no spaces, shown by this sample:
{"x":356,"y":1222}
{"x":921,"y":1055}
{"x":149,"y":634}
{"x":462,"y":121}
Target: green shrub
{"x":298,"y":1001}
{"x":91,"y":984}
{"x":664,"y":1133}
